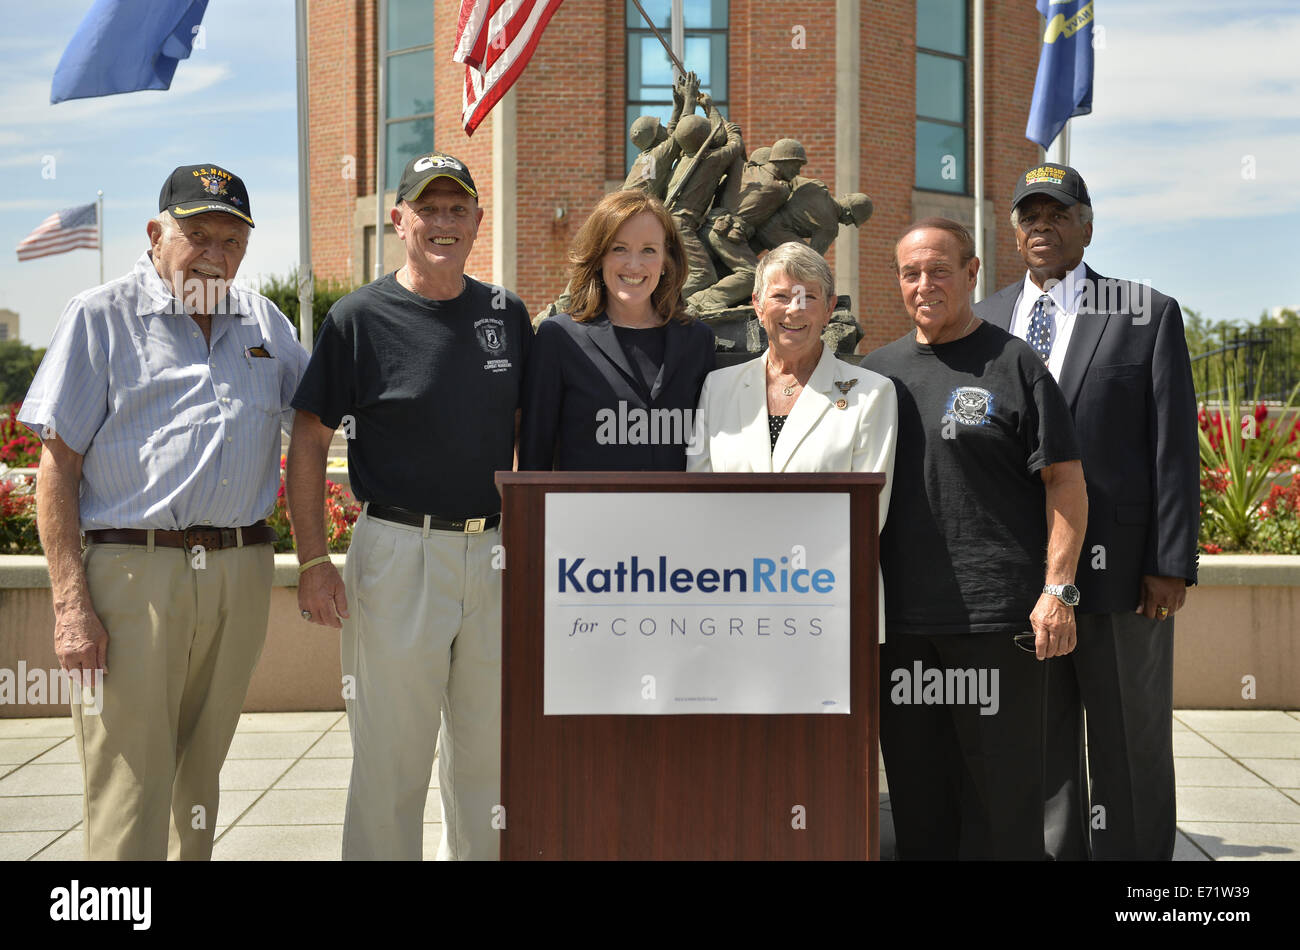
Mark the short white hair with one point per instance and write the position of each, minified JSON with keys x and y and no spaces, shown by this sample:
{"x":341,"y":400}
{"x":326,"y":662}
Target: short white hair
{"x":801,"y":263}
{"x":167,"y":221}
{"x":1085,"y":215}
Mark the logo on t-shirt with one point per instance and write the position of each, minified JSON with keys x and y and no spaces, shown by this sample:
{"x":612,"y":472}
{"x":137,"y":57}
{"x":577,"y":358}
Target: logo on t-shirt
{"x":491,"y":335}
{"x":970,"y":405}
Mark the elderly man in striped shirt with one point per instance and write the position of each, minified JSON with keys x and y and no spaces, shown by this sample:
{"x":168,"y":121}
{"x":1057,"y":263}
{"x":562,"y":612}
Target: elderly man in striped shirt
{"x":160,"y":402}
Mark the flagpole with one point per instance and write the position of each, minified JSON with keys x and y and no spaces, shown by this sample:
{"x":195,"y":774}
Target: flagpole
{"x":99,"y":223}
{"x":977,"y":67}
{"x":381,"y":135}
{"x":306,"y":280}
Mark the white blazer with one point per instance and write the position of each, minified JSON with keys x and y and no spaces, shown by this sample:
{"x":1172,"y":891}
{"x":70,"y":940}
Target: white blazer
{"x":732,"y":426}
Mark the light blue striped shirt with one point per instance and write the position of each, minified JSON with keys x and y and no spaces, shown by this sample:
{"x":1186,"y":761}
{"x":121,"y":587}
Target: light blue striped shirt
{"x":173,"y":434}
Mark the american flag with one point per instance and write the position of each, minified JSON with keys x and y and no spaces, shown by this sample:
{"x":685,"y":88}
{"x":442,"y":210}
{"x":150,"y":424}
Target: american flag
{"x":62,"y":231}
{"x":495,"y":39}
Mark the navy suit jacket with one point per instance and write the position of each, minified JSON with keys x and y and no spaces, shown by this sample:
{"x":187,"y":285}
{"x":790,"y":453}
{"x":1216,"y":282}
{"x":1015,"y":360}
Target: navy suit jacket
{"x":580,"y":389}
{"x":1128,"y":382}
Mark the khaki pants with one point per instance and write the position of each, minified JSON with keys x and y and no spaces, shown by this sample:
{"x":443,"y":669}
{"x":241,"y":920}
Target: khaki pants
{"x":182,"y":645}
{"x":422,"y":671}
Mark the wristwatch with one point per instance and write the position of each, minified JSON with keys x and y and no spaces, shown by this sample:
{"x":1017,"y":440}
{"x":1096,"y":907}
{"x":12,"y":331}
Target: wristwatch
{"x":1067,"y":594}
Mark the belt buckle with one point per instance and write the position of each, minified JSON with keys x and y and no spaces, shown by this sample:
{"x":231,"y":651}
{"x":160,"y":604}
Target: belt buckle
{"x":209,"y":538}
{"x":475,"y":525}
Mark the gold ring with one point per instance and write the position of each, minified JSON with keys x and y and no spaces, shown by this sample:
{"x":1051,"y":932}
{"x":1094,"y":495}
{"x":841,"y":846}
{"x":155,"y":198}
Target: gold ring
{"x":1162,"y":612}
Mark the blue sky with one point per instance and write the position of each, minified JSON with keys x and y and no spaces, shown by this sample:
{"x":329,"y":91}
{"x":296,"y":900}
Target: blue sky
{"x":1186,"y":96}
{"x":233,"y":103}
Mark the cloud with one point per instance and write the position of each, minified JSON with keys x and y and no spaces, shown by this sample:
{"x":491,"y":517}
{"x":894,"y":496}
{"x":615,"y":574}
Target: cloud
{"x":1195,"y":117}
{"x":1155,"y":67}
{"x":27,"y":102}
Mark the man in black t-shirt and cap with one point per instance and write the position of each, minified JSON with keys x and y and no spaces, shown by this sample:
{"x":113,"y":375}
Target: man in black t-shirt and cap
{"x":422,"y":369}
{"x":986,"y":518}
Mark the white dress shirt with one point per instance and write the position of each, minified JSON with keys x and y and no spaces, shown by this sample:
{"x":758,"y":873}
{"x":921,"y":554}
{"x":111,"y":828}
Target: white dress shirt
{"x":1065,"y":308}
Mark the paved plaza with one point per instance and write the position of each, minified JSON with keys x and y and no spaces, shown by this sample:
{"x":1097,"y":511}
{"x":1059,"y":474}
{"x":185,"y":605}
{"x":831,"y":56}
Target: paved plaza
{"x":285,"y":782}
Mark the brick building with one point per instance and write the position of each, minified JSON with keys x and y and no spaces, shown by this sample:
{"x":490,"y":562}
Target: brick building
{"x":879,"y":92}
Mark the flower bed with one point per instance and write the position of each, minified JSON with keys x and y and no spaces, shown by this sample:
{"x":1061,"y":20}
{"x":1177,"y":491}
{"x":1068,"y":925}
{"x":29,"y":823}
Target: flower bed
{"x":1250,"y":494}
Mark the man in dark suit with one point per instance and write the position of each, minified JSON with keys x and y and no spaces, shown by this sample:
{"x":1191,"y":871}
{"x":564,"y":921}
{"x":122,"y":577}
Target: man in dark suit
{"x":1118,"y":352}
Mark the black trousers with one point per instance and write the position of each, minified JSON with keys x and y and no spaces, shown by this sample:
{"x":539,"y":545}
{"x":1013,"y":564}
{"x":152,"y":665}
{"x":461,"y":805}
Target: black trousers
{"x":962,"y":784}
{"x":1122,"y":674}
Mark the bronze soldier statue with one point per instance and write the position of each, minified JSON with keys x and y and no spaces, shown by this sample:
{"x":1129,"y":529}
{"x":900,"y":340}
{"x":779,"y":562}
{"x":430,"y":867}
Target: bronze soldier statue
{"x":652,"y":169}
{"x":764,"y":188}
{"x":695,"y":182}
{"x":811,"y":216}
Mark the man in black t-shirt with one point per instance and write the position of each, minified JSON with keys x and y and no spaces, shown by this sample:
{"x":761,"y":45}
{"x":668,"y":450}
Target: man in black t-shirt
{"x":985,"y":522}
{"x":422,"y":369}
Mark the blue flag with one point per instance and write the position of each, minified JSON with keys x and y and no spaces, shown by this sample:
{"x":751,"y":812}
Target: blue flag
{"x":1064,"y":84}
{"x":125,"y":45}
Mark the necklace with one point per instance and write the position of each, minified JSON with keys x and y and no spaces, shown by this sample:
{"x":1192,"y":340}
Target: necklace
{"x":788,"y":389}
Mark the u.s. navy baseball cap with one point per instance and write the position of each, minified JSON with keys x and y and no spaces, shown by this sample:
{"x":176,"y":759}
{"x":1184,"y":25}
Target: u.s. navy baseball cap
{"x":1057,"y":181}
{"x":196,"y":189}
{"x":424,"y":169}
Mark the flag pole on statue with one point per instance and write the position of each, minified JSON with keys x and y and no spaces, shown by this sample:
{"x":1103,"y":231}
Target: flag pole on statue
{"x":662,"y":42}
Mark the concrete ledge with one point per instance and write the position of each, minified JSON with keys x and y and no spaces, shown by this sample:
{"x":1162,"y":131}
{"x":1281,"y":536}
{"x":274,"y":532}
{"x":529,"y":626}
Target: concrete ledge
{"x":1249,"y":570}
{"x":1216,"y":570}
{"x":29,"y":571}
{"x":1235,"y":640}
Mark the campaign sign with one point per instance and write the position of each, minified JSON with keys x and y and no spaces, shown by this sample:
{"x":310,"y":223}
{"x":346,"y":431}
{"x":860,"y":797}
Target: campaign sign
{"x":667,"y":603}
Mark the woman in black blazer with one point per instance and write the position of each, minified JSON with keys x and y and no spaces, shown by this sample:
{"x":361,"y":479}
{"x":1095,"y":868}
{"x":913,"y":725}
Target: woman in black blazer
{"x":613,"y":385}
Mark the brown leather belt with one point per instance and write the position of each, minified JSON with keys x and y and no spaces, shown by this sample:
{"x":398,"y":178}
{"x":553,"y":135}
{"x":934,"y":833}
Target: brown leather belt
{"x":204,"y":536}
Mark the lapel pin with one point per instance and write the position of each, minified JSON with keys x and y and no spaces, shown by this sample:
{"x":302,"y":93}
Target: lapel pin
{"x":841,"y":404}
{"x":844,"y":388}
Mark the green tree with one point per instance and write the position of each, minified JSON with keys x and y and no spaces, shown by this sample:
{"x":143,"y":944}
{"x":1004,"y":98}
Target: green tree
{"x":18,"y":363}
{"x":283,"y":292}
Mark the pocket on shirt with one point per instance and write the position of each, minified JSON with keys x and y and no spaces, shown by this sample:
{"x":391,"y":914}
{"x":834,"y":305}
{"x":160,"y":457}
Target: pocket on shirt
{"x":264,"y":384}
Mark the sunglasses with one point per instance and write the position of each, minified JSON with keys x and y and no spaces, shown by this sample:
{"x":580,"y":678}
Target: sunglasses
{"x":1026,"y":642}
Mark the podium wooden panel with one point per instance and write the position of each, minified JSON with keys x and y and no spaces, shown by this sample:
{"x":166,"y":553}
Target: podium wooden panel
{"x":683,"y":786}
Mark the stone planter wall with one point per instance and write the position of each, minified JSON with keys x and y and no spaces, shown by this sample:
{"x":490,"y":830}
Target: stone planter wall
{"x":1243,"y":620}
{"x":299,"y":669}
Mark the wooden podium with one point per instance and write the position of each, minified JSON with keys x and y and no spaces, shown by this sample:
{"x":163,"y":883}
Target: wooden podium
{"x":687,"y":787}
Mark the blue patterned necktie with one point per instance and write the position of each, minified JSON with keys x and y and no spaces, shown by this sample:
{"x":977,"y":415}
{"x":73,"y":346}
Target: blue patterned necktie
{"x":1041,"y":331}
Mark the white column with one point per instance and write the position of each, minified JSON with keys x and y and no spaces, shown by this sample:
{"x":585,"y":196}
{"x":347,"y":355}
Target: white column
{"x":505,"y":171}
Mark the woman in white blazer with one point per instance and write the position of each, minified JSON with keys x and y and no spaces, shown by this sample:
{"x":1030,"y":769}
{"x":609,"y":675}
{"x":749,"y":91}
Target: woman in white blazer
{"x":797,"y":408}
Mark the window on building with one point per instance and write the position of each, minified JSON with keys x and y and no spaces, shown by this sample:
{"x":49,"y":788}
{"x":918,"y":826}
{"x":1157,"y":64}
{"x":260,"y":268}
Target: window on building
{"x":408,"y":79}
{"x":941,"y":71}
{"x":650,"y":71}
